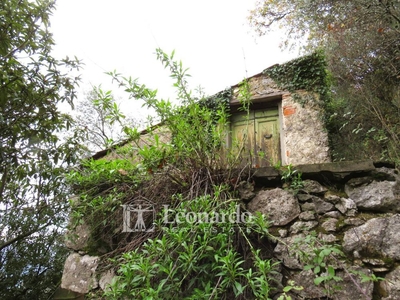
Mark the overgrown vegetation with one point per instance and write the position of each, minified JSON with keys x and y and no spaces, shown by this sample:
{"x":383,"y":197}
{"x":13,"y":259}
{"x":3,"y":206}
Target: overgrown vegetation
{"x":184,"y":164}
{"x":183,"y":168}
{"x":326,"y":260}
{"x":203,"y":257}
{"x":33,"y":156}
{"x":291,"y":178}
{"x":361,"y":43}
{"x":99,"y":119}
{"x":308,"y":73}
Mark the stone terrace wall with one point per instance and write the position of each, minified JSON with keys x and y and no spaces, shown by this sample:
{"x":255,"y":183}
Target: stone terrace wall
{"x":357,"y":208}
{"x":354,"y":205}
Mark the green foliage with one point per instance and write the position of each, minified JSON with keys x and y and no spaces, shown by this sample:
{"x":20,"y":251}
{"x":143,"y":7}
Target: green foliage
{"x":292,"y":177}
{"x":305,"y":73}
{"x":322,"y":259}
{"x":195,"y":260}
{"x":367,"y":278}
{"x":100,"y":118}
{"x":33,"y":157}
{"x":361,"y":45}
{"x":102,"y":186}
{"x":215,"y":102}
{"x":291,"y":286}
{"x":188,"y":141}
{"x":197,"y":127}
{"x":182,"y":162}
{"x":94,"y":176}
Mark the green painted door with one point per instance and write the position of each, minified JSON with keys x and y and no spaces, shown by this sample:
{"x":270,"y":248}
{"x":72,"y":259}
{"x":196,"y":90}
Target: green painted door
{"x":256,"y":138}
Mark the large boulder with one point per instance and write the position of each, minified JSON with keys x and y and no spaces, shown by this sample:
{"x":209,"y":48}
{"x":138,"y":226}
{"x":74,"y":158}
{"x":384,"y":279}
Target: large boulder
{"x":377,"y":237}
{"x":376,"y":195}
{"x":79,"y":273}
{"x":279,"y":205}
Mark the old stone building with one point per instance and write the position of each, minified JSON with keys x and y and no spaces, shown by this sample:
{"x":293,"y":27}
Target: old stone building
{"x":352,"y":206}
{"x":281,"y":128}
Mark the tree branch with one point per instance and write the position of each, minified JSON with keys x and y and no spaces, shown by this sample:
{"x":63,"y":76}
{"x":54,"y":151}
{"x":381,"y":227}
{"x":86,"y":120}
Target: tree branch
{"x":22,"y":236}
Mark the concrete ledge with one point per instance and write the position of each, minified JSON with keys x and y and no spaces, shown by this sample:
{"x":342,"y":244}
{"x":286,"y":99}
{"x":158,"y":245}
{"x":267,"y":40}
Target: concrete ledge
{"x":338,"y":167}
{"x":334,"y":171}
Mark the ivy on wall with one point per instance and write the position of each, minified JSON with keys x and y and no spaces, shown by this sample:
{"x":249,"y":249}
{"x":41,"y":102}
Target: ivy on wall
{"x":304,"y":73}
{"x":218,"y":100}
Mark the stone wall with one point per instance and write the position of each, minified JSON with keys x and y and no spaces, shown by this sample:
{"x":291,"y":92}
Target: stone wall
{"x":358,"y":210}
{"x":305,"y":141}
{"x":353,"y":205}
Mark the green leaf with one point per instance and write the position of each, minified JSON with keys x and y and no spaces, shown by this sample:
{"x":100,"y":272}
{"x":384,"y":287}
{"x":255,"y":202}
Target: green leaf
{"x":317,"y":269}
{"x":319,"y":280}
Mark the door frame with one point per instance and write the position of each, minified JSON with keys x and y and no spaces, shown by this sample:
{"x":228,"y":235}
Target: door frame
{"x":262,"y":104}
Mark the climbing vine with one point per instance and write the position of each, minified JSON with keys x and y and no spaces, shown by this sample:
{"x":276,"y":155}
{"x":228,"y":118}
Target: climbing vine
{"x":304,"y":73}
{"x":220,"y":99}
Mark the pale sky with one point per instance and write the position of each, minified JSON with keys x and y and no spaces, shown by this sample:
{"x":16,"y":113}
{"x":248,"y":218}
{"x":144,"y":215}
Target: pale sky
{"x":211,"y":37}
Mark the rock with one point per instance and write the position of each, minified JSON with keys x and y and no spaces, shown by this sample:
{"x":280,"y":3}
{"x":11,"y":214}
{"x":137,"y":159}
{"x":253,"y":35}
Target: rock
{"x":307,"y":216}
{"x":360,"y":181}
{"x":333,"y":214}
{"x":353,"y":221}
{"x":380,"y":269}
{"x":288,"y":256}
{"x":377,"y":237}
{"x":79,"y":273}
{"x":349,"y":290}
{"x":330,"y":225}
{"x":308,"y":206}
{"x":327,"y":238}
{"x":61,"y":293}
{"x":279,"y":205}
{"x":304,"y":197}
{"x":347,"y":207}
{"x":322,"y":206}
{"x":78,"y":238}
{"x":390,"y":287}
{"x":246,"y":191}
{"x":376,"y":262}
{"x":106,"y":278}
{"x":378,"y":196}
{"x":332,"y":198}
{"x":283,"y":233}
{"x":310,"y":290}
{"x":276,"y":277}
{"x":384,"y":173}
{"x":302,"y":226}
{"x":313,"y":187}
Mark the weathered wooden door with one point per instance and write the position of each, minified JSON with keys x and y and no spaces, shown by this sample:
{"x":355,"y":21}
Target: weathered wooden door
{"x":256,"y":137}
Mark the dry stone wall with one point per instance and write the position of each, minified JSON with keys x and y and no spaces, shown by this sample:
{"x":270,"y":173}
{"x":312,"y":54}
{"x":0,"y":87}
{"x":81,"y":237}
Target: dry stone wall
{"x":360,"y":213}
{"x":354,"y":206}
